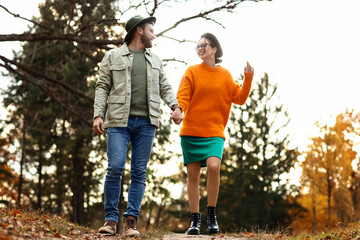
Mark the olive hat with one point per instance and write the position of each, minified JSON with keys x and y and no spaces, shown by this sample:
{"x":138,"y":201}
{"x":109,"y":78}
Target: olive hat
{"x":135,"y":21}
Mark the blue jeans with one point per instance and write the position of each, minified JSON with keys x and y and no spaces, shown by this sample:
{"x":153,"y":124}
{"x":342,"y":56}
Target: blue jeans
{"x":141,"y":134}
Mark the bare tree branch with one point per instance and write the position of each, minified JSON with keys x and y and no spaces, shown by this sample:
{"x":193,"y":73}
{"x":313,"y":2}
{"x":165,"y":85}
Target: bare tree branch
{"x":37,"y":83}
{"x":131,"y":7}
{"x":177,"y":40}
{"x":213,"y":20}
{"x":229,"y":5}
{"x":32,"y":37}
{"x":33,"y":72}
{"x":154,"y":8}
{"x":110,"y":21}
{"x":33,"y":22}
{"x":174,"y":60}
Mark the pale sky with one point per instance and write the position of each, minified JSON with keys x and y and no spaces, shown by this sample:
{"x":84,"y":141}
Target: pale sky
{"x":310,"y":48}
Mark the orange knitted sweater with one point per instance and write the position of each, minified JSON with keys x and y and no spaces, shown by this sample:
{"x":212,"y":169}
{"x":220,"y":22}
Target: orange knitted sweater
{"x":205,"y":95}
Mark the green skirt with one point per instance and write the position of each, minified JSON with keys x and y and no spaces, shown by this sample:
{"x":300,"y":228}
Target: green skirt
{"x":198,"y":149}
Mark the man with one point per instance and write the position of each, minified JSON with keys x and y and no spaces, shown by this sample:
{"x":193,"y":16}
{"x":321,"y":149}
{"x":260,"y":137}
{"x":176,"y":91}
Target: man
{"x":127,"y":102}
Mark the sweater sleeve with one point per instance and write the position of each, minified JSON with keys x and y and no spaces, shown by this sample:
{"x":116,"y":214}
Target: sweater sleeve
{"x":185,"y":90}
{"x":241,"y":94}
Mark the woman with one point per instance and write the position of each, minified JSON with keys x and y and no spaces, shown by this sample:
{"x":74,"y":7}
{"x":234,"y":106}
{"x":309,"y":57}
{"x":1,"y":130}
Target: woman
{"x":205,"y":95}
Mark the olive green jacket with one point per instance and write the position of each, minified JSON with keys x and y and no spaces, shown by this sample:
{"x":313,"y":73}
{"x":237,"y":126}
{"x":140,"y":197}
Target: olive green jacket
{"x":113,"y":87}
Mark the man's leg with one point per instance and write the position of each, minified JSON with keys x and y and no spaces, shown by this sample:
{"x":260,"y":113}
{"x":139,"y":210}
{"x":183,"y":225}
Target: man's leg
{"x":142,"y":139}
{"x":117,"y":144}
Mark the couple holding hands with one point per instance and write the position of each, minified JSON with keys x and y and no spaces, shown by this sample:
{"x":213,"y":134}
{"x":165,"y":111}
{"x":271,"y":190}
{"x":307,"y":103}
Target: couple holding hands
{"x":128,"y":90}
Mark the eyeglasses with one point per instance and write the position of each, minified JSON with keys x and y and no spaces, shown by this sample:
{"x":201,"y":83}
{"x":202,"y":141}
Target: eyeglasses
{"x":203,"y":46}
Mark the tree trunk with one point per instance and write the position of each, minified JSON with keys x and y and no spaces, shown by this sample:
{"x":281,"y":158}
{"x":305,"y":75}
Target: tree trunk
{"x":22,"y":160}
{"x":313,"y":197}
{"x":38,"y":207}
{"x":60,"y":186}
{"x":148,"y":222}
{"x":158,"y":215}
{"x":355,"y":193}
{"x":329,"y":201}
{"x":78,"y":188}
{"x":314,"y":213}
{"x":60,"y":189}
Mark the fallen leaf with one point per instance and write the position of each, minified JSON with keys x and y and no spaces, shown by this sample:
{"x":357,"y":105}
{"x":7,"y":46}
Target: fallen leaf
{"x":249,"y":234}
{"x":15,"y":212}
{"x":75,"y":232}
{"x":57,"y":235}
{"x":4,"y":225}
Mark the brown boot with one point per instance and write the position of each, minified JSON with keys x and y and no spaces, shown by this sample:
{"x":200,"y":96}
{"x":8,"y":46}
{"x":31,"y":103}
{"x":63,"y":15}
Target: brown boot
{"x":109,"y":228}
{"x":130,"y":227}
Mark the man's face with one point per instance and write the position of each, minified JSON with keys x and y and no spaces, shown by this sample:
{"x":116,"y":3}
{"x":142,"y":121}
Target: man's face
{"x":148,"y":35}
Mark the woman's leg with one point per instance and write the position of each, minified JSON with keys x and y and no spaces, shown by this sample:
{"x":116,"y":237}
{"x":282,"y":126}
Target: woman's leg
{"x":193,"y":175}
{"x":213,"y":180}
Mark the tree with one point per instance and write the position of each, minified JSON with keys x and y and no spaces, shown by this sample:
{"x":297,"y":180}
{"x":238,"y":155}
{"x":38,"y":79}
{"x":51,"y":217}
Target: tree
{"x":46,"y":105}
{"x":254,"y":189}
{"x":327,"y":169}
{"x":310,"y":181}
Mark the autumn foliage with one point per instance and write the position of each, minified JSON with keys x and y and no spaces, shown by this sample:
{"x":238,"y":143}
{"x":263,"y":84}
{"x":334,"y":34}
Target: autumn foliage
{"x":330,"y":183}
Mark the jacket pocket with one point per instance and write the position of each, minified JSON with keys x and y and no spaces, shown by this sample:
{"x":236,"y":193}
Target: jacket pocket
{"x":118,"y":72}
{"x":117,"y":67}
{"x":155,"y":106}
{"x":116,"y":106}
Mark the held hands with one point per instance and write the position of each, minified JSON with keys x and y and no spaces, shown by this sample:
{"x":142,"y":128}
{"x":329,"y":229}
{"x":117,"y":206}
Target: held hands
{"x":176,"y":116}
{"x":248,"y":68}
{"x":98,"y":125}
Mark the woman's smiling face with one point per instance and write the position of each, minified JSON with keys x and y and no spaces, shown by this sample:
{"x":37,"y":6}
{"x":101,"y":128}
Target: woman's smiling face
{"x":204,"y":49}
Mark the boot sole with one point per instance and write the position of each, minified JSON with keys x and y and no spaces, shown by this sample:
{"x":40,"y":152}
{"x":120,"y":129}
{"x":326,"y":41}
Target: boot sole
{"x":107,"y":234}
{"x":213,"y":231}
{"x":193,"y":232}
{"x":131,"y":235}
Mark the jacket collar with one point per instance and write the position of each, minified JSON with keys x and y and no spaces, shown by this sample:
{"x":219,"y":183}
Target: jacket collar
{"x":125,"y":50}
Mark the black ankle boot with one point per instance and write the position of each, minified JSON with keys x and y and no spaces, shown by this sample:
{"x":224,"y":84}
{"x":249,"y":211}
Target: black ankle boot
{"x":194,"y":228}
{"x":212,"y":226}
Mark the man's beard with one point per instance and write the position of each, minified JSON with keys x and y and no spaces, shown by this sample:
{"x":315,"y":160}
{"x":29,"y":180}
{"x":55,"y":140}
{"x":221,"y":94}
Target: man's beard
{"x":146,"y":41}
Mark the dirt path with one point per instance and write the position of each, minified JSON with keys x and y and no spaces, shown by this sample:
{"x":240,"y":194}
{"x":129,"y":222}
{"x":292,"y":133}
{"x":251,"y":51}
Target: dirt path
{"x":179,"y":236}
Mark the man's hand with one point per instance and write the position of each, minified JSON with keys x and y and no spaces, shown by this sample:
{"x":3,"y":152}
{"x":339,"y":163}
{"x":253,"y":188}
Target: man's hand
{"x":176,"y":116}
{"x":248,"y":68}
{"x":98,"y":125}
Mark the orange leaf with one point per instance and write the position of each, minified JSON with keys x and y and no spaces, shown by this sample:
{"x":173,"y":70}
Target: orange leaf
{"x":57,"y":235}
{"x":249,"y":234}
{"x":15,"y":212}
{"x":4,"y":225}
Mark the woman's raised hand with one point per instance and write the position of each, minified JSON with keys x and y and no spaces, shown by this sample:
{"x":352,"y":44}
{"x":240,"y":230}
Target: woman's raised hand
{"x":248,"y":68}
